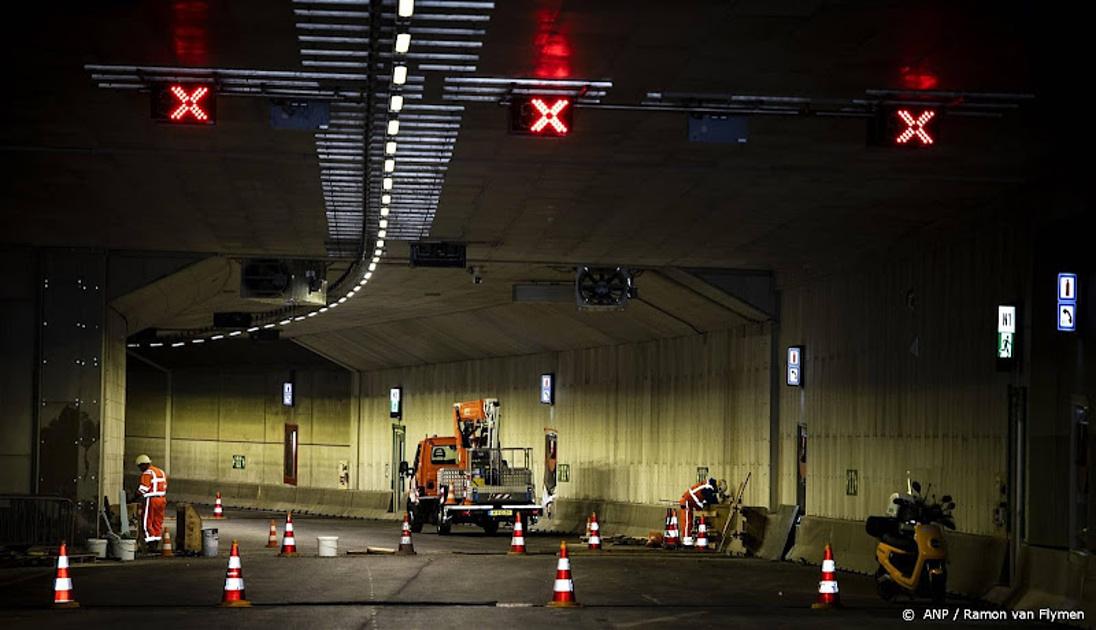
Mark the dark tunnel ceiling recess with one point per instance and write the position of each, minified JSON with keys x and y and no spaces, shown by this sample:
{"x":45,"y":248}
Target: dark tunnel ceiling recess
{"x":604,"y":193}
{"x":624,"y":187}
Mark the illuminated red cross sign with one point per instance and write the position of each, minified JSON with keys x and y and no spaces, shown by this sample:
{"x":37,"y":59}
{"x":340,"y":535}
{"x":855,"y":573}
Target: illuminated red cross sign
{"x":541,"y":116}
{"x":915,"y":131}
{"x":184,"y":104}
{"x":549,"y":115}
{"x":189,"y":104}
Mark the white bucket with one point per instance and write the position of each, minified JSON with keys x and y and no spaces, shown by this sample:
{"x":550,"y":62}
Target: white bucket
{"x":98,"y":546}
{"x":328,"y":546}
{"x":210,"y":542}
{"x":127,"y":549}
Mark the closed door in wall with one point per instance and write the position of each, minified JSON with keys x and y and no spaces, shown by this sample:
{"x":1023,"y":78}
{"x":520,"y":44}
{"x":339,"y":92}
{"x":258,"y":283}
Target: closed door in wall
{"x":289,"y":472}
{"x":399,"y":435}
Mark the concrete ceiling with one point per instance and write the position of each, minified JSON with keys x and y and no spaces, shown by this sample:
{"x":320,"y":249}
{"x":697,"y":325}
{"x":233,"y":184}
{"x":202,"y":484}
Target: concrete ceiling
{"x":625,"y":188}
{"x":87,"y":166}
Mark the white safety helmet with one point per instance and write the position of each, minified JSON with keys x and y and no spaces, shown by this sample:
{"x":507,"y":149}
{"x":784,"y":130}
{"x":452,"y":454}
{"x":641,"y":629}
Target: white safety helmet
{"x":143,"y":459}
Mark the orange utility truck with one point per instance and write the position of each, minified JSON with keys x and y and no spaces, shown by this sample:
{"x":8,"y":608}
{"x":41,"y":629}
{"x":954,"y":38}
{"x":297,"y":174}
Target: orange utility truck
{"x":468,"y":477}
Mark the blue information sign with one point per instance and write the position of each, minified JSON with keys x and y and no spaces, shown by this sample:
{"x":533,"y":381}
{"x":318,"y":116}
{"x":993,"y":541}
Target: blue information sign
{"x":1067,"y":302}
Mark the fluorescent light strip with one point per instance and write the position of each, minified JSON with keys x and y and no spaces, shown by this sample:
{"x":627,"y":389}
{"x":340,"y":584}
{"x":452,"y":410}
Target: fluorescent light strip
{"x":403,"y":43}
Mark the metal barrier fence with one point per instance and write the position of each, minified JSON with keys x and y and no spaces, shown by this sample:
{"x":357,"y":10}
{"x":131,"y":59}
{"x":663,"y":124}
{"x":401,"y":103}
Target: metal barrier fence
{"x":28,"y":520}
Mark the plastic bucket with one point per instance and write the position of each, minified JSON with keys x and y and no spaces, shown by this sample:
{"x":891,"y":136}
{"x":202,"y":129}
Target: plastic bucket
{"x":210,"y":541}
{"x":127,"y":549}
{"x":328,"y":546}
{"x":98,"y":546}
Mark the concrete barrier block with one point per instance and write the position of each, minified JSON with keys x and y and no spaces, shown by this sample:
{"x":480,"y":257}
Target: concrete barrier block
{"x":1056,"y":579}
{"x":853,"y":549}
{"x":974,"y":562}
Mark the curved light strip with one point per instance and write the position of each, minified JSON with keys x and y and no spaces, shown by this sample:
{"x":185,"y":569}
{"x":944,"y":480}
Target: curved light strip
{"x":392,"y":128}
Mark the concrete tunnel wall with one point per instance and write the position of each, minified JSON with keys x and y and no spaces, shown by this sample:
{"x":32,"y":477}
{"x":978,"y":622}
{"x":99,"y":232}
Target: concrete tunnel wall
{"x":634,"y":420}
{"x":900,"y":375}
{"x":218,"y":413}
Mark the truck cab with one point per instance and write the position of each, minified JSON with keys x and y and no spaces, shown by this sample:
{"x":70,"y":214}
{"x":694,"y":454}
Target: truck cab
{"x":468,"y":477}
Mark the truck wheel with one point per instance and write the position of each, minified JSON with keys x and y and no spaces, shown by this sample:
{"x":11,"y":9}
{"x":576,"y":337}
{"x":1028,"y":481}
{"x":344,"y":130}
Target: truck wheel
{"x":416,"y":518}
{"x":444,"y":529}
{"x":491,"y":528}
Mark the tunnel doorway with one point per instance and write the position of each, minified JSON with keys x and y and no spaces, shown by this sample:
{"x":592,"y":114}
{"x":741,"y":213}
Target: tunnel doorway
{"x":399,"y":439}
{"x":1082,"y":446}
{"x":289,"y":460}
{"x":801,"y":468}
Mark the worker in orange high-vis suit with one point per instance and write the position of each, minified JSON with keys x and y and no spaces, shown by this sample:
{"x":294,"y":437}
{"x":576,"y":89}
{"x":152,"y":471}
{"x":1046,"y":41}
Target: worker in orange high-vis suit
{"x":152,"y":488}
{"x":698,"y":497}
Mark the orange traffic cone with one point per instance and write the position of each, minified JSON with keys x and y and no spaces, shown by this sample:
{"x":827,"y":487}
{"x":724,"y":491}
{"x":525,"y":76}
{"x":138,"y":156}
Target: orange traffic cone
{"x":234,"y":595}
{"x":563,"y":593}
{"x":218,"y":509}
{"x":272,"y":540}
{"x":687,"y":534}
{"x":405,"y":548}
{"x":166,"y":549}
{"x":517,"y":540}
{"x":289,"y":543}
{"x":666,"y":526}
{"x":62,"y":584}
{"x":672,"y":541}
{"x":828,"y":595}
{"x":702,"y":535}
{"x":593,"y":543}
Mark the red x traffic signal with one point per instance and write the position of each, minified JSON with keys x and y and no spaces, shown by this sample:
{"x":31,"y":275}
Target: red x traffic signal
{"x":904,"y":127}
{"x":184,"y":103}
{"x":547,"y":116}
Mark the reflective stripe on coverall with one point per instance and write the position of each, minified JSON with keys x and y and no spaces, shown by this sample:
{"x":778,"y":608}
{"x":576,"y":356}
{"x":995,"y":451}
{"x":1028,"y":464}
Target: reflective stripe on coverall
{"x":153,"y":488}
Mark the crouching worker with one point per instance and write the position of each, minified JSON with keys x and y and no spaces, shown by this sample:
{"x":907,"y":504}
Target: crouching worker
{"x":698,"y":497}
{"x":152,"y":489}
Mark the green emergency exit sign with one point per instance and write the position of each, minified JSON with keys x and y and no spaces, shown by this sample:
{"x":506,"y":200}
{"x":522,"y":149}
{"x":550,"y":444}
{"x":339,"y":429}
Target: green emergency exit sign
{"x":1006,"y":331}
{"x":239,"y":462}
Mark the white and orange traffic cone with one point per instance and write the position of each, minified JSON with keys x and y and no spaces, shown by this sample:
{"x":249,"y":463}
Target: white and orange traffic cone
{"x":234,"y":595}
{"x":218,"y":509}
{"x":593,"y":543}
{"x":289,"y":543}
{"x":828,"y":595}
{"x":666,"y":526}
{"x":702,"y":535}
{"x":166,"y":548}
{"x":62,"y":583}
{"x":406,"y":548}
{"x":672,"y":541}
{"x":563,"y":593}
{"x":272,"y":539}
{"x":517,"y":540}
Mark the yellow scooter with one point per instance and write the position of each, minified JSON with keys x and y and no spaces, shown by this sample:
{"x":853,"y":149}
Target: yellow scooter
{"x":911,"y":552}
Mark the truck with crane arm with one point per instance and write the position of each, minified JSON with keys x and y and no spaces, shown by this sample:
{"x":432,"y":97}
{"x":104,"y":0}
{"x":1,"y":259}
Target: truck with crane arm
{"x":468,"y":477}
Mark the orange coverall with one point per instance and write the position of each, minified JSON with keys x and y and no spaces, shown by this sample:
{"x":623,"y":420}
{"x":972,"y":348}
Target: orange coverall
{"x":153,"y":489}
{"x":695,"y":498}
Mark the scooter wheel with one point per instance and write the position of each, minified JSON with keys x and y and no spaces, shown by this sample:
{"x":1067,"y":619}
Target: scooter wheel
{"x":938,"y":587}
{"x":884,"y":585}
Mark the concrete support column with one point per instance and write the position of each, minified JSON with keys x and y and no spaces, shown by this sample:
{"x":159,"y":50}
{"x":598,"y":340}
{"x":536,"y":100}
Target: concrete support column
{"x":69,"y":391}
{"x":355,"y":429}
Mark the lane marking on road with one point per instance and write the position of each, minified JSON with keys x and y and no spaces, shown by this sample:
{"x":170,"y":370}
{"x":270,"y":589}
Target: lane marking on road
{"x":651,"y":599}
{"x":513,"y":605}
{"x":645,"y":622}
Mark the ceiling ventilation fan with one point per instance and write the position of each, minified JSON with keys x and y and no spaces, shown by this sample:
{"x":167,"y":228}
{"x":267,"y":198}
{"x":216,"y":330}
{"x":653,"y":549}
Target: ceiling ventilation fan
{"x":603,"y":288}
